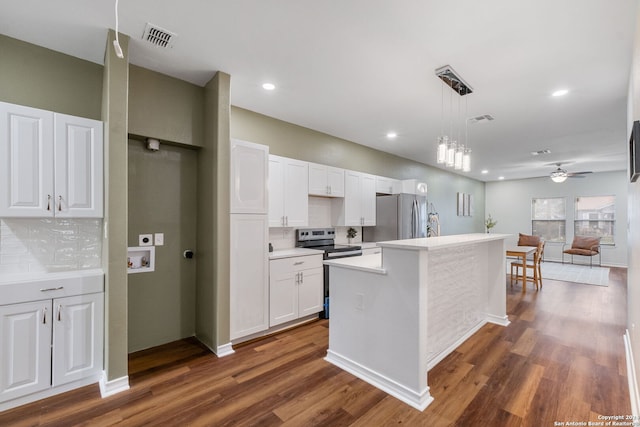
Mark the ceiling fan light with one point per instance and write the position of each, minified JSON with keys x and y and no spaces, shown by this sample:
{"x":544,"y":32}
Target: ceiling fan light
{"x":558,"y":176}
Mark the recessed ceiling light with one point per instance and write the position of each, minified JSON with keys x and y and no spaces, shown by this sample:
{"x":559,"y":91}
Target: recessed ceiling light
{"x":268,"y":86}
{"x":484,"y":171}
{"x":392,"y":135}
{"x":560,"y":92}
{"x":501,"y":178}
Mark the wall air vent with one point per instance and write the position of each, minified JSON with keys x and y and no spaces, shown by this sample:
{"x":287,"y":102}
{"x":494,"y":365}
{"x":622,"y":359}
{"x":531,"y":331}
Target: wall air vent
{"x":158,"y":36}
{"x":481,"y":119}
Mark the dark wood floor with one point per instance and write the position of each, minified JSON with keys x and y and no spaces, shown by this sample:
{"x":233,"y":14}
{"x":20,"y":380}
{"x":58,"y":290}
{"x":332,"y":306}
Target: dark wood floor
{"x":561,"y":359}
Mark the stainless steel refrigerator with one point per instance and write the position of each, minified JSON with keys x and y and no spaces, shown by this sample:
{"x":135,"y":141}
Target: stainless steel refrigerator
{"x":398,"y":216}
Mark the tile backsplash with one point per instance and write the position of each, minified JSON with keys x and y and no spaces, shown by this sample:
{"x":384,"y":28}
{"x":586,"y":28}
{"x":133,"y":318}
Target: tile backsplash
{"x":45,"y":245}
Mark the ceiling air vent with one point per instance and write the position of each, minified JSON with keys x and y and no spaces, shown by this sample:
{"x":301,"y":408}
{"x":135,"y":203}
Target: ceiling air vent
{"x":481,"y":119}
{"x":158,"y":36}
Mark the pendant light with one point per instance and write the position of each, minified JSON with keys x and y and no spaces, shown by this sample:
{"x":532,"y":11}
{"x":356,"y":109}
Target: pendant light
{"x":451,"y":152}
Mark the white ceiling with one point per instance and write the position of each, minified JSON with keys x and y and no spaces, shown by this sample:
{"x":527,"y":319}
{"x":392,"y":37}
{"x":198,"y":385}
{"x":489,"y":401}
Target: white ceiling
{"x":357,"y":69}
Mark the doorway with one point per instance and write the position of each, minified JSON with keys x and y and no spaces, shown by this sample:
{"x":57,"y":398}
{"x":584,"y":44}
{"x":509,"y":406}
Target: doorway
{"x":162,"y":199}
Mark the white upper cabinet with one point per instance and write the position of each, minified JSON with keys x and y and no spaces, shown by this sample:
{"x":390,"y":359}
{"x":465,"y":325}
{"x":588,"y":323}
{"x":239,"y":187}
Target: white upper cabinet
{"x":386,"y":185}
{"x":326,"y":180}
{"x":52,"y":164}
{"x":288,"y":192}
{"x":358,"y":208}
{"x":78,"y":167}
{"x":249,"y":177}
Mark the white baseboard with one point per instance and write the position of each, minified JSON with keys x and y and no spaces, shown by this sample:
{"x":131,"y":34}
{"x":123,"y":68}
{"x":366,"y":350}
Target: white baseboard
{"x":498,"y":320}
{"x":634,"y":393}
{"x":419,"y":400}
{"x":109,"y":388}
{"x":224,"y":350}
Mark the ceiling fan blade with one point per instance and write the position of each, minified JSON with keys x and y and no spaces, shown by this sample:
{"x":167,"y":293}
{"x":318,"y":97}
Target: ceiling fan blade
{"x":578,"y":174}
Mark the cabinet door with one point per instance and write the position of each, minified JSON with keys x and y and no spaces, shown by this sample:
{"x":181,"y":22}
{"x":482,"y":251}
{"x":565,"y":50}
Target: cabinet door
{"x":296,"y":193}
{"x":249,"y":176}
{"x":318,"y":185}
{"x":283,"y":293}
{"x":77,"y":337}
{"x":384,"y":185}
{"x":25,"y":353}
{"x":310,"y":292}
{"x":368,"y":199}
{"x":78,"y":167}
{"x":352,"y":199}
{"x":276,"y":191}
{"x":249,"y":278}
{"x":335,"y":181}
{"x":26,"y":161}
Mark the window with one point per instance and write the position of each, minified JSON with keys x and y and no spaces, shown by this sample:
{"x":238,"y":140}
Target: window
{"x":548,"y":218}
{"x":595,"y":216}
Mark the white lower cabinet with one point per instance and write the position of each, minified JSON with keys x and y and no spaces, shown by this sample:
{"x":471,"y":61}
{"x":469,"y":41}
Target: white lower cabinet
{"x":295,"y":288}
{"x":51,"y":342}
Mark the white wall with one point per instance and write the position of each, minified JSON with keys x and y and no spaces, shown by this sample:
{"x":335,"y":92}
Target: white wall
{"x":509,"y":202}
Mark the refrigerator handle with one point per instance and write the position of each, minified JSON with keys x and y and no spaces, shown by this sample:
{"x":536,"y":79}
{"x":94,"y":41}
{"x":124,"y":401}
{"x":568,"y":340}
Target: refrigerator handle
{"x":415,"y":218}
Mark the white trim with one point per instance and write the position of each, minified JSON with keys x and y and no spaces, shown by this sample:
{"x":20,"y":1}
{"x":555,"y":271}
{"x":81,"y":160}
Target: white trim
{"x":52,"y":391}
{"x":498,"y":320}
{"x":634,"y":393}
{"x":224,"y":350}
{"x":109,"y":388}
{"x":419,"y":400}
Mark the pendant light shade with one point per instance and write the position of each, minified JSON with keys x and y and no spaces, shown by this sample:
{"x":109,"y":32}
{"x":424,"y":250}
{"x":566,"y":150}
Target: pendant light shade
{"x":466,"y":161}
{"x":442,"y":149}
{"x":451,"y":155}
{"x":457,"y":164}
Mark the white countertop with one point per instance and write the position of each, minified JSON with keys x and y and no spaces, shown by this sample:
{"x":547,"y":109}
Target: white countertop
{"x":58,"y":275}
{"x":433,"y":243}
{"x":293,"y":252}
{"x":370,"y":263}
{"x":366,"y":245}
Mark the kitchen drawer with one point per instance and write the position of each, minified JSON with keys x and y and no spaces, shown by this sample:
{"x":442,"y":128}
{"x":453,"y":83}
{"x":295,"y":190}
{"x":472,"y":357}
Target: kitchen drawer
{"x":296,"y":263}
{"x":25,"y":288}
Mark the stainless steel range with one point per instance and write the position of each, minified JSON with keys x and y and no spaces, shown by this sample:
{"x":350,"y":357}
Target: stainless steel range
{"x":323,"y":239}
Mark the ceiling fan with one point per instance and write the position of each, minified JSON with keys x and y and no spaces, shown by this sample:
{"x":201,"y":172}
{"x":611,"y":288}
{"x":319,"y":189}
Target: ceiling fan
{"x":560,"y":175}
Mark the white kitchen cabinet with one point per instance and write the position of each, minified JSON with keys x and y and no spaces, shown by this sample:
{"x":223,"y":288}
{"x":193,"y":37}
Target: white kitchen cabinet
{"x":249,"y":275}
{"x":288,"y":192}
{"x":295,"y":288}
{"x":325,"y":180}
{"x":358,"y":207}
{"x":386,"y":185}
{"x":78,"y":327}
{"x":25,"y":354}
{"x":53,"y":341}
{"x":249,"y":176}
{"x":52,"y":164}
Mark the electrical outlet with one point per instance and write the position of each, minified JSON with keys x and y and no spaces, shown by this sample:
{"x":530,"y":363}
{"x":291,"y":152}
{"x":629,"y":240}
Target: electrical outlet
{"x":159,"y":239}
{"x":145,"y":240}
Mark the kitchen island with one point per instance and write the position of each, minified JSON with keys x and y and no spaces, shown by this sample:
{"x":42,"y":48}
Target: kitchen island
{"x":395,"y":315}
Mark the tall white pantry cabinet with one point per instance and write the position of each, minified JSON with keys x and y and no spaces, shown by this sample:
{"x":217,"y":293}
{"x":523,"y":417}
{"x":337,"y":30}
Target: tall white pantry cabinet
{"x":51,"y":164}
{"x":249,"y":233}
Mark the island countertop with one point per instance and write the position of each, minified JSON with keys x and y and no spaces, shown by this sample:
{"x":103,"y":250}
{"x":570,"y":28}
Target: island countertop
{"x":440,"y":242}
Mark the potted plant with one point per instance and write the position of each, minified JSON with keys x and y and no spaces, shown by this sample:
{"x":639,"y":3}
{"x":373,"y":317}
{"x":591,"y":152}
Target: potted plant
{"x":351,"y":233}
{"x":490,"y":223}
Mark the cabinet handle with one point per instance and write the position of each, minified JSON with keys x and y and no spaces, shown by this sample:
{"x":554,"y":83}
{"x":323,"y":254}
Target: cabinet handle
{"x":59,"y":312}
{"x":297,"y":278}
{"x":298,"y":263}
{"x":286,"y":221}
{"x":44,"y":316}
{"x":59,"y":203}
{"x":51,"y":289}
{"x":302,"y":277}
{"x":48,"y":202}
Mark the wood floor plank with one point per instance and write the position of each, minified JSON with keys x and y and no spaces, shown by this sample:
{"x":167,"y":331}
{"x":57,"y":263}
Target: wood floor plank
{"x":562,"y":358}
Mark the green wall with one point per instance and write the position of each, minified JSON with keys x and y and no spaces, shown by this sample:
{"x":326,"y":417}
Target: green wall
{"x":162,"y":199}
{"x":289,"y":140}
{"x":42,"y":78}
{"x":165,"y":108}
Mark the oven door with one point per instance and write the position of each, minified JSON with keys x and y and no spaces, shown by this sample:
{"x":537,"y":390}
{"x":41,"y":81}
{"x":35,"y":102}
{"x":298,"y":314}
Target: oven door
{"x":333,"y":255}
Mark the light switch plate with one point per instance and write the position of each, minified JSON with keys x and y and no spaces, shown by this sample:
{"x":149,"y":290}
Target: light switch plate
{"x":145,"y":240}
{"x":159,"y":239}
